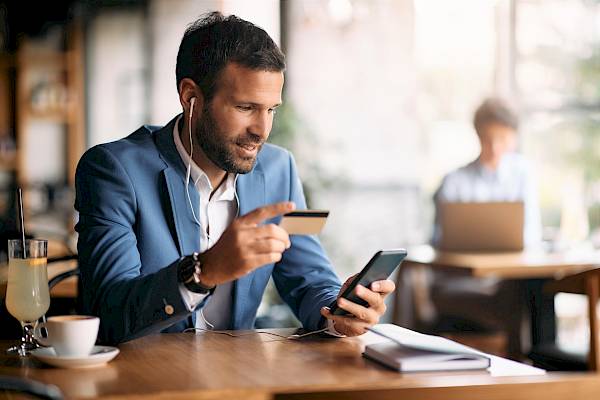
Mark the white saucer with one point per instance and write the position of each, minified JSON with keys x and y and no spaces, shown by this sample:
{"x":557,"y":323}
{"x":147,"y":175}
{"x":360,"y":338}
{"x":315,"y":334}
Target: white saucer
{"x":100,"y":355}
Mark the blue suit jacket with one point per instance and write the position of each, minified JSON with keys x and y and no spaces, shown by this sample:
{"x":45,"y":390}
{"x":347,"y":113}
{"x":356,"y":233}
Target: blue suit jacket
{"x":135,"y":222}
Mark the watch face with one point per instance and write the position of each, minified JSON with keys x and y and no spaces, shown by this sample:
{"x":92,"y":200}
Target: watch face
{"x":190,"y":270}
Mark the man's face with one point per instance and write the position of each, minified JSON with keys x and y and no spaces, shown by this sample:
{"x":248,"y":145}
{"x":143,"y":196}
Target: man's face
{"x":496,"y":141}
{"x":234,"y":125}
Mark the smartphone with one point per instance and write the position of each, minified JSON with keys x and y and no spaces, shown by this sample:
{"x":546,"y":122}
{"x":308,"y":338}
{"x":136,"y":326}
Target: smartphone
{"x":379,"y":268}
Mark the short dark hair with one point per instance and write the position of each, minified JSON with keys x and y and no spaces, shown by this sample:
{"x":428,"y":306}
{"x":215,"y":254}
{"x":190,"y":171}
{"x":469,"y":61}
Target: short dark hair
{"x":494,"y":110}
{"x":213,"y":41}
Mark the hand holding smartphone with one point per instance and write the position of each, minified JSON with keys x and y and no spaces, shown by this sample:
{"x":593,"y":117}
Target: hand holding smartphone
{"x":380,"y":267}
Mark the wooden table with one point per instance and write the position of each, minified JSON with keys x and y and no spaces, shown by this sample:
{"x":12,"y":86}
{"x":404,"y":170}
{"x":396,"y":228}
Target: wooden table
{"x":520,"y":265}
{"x":529,"y":269}
{"x":262,"y":366}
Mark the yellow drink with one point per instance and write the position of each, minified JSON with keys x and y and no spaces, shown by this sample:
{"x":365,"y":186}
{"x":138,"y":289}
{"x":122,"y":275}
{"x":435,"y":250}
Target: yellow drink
{"x":27,"y":294}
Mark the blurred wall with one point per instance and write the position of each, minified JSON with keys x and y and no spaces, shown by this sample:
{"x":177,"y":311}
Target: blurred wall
{"x":352,"y":80}
{"x":117,"y":70}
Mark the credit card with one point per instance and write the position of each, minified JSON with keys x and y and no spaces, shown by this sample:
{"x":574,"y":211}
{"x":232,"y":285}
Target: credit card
{"x":304,"y":222}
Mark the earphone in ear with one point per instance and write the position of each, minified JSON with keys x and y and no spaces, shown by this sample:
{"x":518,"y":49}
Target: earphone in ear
{"x":192,"y":102}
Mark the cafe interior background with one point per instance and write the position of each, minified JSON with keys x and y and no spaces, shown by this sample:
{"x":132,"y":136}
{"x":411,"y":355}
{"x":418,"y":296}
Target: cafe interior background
{"x":378,"y":106}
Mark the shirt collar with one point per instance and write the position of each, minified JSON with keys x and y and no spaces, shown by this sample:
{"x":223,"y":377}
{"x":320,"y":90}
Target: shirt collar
{"x":225,"y":192}
{"x":500,"y":173}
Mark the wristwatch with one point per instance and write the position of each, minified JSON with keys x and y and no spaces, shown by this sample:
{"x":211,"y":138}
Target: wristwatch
{"x":189,"y":269}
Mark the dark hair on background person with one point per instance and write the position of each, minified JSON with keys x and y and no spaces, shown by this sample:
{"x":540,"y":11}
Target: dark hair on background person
{"x":495,"y":110}
{"x":213,"y":41}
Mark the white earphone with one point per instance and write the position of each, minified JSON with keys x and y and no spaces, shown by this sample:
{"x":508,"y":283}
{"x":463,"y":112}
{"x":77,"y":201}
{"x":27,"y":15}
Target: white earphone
{"x":189,"y":166}
{"x":187,"y":189}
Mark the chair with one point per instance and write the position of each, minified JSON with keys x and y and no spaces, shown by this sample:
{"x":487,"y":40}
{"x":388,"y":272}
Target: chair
{"x":29,"y":387}
{"x":67,"y":274}
{"x":62,"y":305}
{"x":550,"y":355}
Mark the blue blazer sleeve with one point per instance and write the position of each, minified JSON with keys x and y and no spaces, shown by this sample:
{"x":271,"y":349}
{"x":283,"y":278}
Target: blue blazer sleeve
{"x":129,"y":305}
{"x":304,"y":277}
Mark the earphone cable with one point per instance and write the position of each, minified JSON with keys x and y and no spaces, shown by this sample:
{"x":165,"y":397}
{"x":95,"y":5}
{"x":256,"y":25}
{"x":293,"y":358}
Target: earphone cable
{"x":238,"y":335}
{"x":189,"y":166}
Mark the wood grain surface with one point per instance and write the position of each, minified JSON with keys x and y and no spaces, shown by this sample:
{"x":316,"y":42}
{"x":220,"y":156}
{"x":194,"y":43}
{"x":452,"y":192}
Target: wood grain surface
{"x":520,"y":265}
{"x":264,"y":366}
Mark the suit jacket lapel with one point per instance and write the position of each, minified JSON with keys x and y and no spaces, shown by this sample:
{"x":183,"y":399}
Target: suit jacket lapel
{"x":186,"y":229}
{"x":251,"y":194}
{"x":188,"y":232}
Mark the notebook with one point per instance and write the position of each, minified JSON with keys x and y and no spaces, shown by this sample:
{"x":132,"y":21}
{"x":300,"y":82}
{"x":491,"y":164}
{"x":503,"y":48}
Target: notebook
{"x":410,"y":351}
{"x":493,"y":226}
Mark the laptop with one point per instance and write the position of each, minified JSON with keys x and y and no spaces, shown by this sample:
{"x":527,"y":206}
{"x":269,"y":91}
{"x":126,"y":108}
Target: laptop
{"x":494,"y":226}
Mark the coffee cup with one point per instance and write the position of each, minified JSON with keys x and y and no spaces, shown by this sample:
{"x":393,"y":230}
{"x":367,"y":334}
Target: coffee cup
{"x":70,"y":335}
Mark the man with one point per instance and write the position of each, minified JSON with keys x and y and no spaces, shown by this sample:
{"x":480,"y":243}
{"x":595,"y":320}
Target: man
{"x":498,"y":174}
{"x":208,"y":183}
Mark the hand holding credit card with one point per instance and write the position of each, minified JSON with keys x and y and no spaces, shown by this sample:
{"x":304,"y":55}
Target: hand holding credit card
{"x":304,"y":222}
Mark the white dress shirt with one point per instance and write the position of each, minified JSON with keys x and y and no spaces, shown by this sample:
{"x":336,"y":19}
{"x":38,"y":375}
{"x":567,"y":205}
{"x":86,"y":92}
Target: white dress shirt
{"x":216,"y":213}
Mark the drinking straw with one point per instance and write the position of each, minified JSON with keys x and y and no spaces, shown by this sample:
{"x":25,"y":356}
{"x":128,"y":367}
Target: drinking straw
{"x":22,"y":223}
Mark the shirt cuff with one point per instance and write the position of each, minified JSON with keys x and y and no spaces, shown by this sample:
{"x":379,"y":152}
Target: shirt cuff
{"x":191,"y":299}
{"x":331,"y":329}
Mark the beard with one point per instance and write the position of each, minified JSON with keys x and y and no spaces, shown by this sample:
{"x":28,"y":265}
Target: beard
{"x":223,"y":151}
